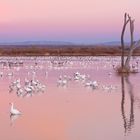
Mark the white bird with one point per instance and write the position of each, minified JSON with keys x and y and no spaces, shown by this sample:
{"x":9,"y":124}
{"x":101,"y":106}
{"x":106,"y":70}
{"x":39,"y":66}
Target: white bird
{"x":10,"y":74}
{"x":93,"y":84}
{"x":13,"y":110}
{"x":29,"y":89}
{"x":88,"y":83}
{"x":62,"y":81}
{"x":20,"y":91}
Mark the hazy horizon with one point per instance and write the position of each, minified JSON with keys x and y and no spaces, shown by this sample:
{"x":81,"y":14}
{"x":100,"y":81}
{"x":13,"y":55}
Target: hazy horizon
{"x":58,"y":42}
{"x":79,"y":21}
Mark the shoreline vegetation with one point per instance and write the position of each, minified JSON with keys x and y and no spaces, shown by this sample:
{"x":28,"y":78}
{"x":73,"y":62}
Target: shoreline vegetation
{"x":63,"y":50}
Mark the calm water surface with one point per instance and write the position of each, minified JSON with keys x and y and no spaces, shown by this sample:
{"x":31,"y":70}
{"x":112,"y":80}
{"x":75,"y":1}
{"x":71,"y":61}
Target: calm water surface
{"x":73,"y":111}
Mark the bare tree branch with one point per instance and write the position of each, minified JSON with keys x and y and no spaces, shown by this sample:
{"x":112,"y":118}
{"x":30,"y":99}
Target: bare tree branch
{"x":133,"y":45}
{"x":126,"y":21}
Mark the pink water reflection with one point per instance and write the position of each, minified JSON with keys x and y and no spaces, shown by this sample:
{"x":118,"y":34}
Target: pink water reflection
{"x":74,"y":112}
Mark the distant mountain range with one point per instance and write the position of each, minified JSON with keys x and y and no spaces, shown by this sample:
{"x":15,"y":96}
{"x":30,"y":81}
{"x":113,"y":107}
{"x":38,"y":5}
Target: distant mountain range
{"x":113,"y":43}
{"x":59,"y":43}
{"x":37,"y":43}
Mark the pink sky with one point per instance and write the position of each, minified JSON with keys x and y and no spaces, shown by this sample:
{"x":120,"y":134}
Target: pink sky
{"x":66,"y":20}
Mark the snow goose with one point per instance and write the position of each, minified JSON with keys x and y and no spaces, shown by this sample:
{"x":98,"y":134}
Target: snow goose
{"x":13,"y":110}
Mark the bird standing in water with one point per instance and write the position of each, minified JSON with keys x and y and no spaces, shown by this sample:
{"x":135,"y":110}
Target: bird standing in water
{"x":13,"y":110}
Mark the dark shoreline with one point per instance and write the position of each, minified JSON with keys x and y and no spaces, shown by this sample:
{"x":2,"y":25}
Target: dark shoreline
{"x":63,"y":50}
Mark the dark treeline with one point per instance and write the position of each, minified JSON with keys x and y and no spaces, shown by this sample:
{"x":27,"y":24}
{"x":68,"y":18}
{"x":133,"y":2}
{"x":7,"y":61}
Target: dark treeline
{"x":65,"y":50}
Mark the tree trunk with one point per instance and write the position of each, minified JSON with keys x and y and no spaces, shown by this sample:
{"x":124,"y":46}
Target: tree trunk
{"x":125,"y":66}
{"x":127,"y":62}
{"x":122,"y":39}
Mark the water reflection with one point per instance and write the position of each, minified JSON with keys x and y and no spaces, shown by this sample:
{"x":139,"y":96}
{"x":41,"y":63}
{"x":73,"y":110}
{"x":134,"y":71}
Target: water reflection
{"x":13,"y":118}
{"x":69,"y":101}
{"x":128,"y":120}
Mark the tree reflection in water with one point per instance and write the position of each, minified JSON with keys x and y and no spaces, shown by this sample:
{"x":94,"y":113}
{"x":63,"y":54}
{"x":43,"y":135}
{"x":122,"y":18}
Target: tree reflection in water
{"x":128,"y":121}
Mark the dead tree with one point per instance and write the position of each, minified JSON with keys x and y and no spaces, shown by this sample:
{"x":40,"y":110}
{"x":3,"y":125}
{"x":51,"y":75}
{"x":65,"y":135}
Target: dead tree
{"x":126,"y":21}
{"x":128,"y":121}
{"x":125,"y":66}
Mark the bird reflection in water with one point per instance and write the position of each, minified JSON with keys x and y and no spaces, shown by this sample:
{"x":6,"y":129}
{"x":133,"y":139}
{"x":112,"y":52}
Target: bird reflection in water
{"x":13,"y":118}
{"x":128,"y":120}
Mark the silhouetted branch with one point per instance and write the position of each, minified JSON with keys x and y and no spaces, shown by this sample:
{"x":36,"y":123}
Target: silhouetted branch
{"x":128,"y":121}
{"x":126,"y":21}
{"x":125,"y":66}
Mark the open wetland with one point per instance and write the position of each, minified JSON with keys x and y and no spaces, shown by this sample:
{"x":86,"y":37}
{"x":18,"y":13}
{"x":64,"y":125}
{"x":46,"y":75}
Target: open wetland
{"x":68,"y":98}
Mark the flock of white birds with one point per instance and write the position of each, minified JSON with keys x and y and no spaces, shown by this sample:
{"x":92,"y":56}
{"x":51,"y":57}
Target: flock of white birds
{"x":12,"y":66}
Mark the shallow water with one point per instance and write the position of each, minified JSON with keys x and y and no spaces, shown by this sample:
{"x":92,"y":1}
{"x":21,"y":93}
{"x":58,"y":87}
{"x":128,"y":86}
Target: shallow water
{"x":73,"y":111}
